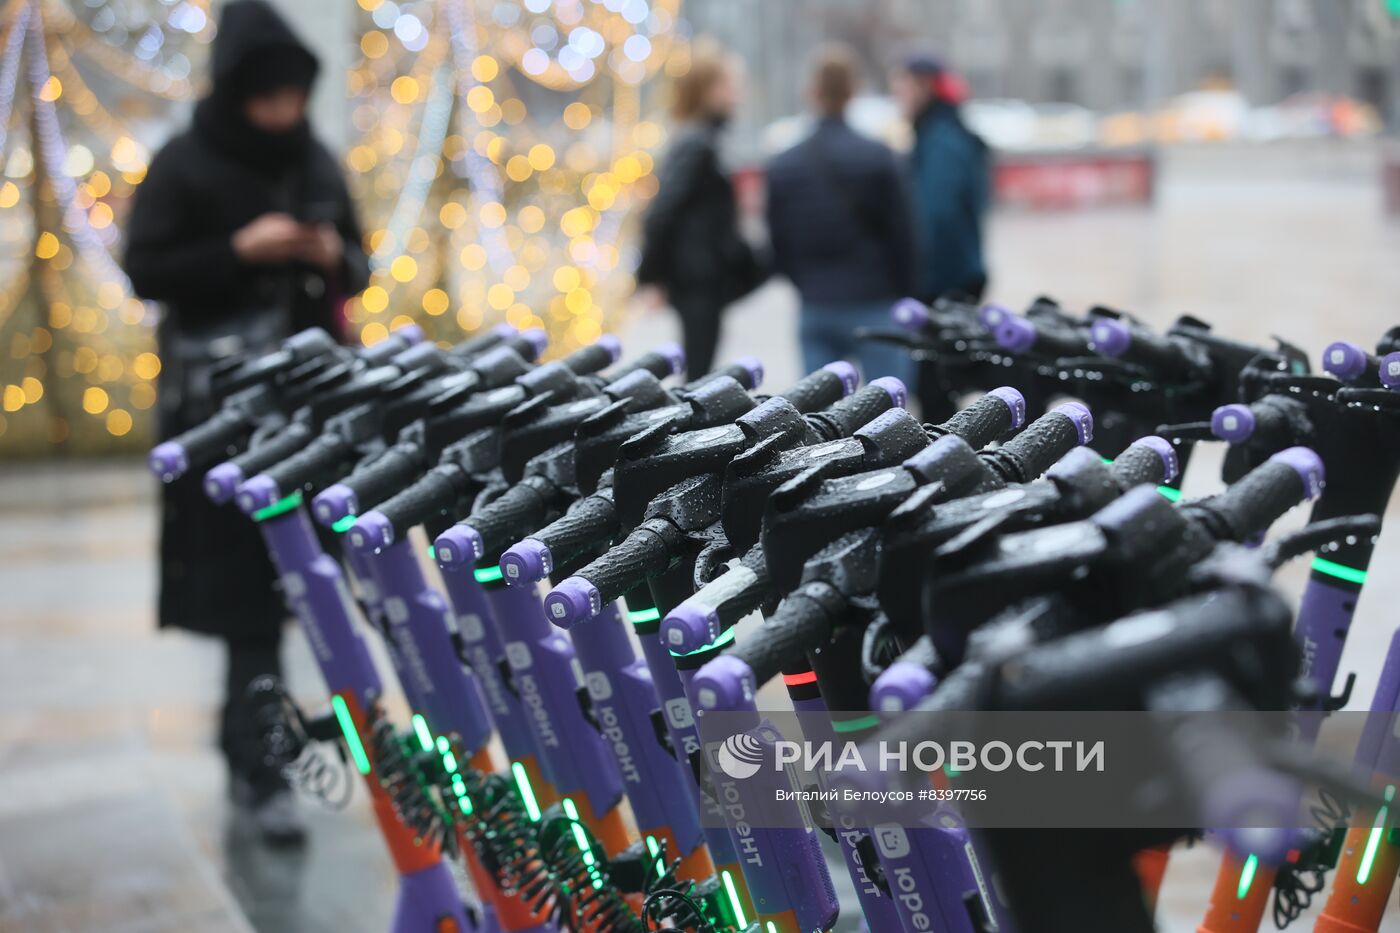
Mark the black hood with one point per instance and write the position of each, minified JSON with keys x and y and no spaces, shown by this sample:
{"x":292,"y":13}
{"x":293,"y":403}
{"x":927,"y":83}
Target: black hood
{"x":255,"y":51}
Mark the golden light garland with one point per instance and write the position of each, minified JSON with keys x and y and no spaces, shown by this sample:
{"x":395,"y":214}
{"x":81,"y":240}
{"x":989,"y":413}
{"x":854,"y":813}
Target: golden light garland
{"x":569,"y":181}
{"x":77,"y":353}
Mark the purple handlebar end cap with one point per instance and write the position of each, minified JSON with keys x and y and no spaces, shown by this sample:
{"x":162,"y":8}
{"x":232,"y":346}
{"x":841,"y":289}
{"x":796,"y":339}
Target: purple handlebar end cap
{"x":991,"y":315}
{"x":901,"y":687}
{"x":849,"y":376}
{"x":675,"y":355}
{"x":725,"y":683}
{"x":1015,"y":334}
{"x":1344,"y":360}
{"x":1083,"y":420}
{"x":688,"y":627}
{"x":898,"y":392}
{"x":410,"y":334}
{"x":1390,"y":370}
{"x":1110,"y":337}
{"x":459,"y":546}
{"x":538,"y":339}
{"x":574,"y":600}
{"x":168,"y":461}
{"x":222,"y":482}
{"x":334,"y":503}
{"x":256,"y":493}
{"x":610,"y":343}
{"x":371,"y":531}
{"x":1171,"y":465}
{"x":527,"y":561}
{"x":1308,"y":466}
{"x":1233,"y":424}
{"x":1015,"y":401}
{"x":505,"y":331}
{"x":1252,"y":805}
{"x":909,"y":314}
{"x":755,"y":367}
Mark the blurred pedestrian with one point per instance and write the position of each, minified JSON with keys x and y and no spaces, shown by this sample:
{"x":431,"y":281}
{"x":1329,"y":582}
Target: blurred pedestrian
{"x":840,"y":222}
{"x":950,"y":168}
{"x":694,"y":256}
{"x":244,"y":229}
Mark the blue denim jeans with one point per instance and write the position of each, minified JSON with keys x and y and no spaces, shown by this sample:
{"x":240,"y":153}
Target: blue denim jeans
{"x":828,"y":332}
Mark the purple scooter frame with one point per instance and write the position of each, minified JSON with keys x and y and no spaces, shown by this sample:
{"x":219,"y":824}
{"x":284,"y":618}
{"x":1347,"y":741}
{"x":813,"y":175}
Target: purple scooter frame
{"x":785,"y":868}
{"x":622,"y":696}
{"x":427,"y":899}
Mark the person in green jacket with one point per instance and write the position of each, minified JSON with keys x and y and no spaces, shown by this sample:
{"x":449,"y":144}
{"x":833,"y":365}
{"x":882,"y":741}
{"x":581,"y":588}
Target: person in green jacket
{"x":950,"y":173}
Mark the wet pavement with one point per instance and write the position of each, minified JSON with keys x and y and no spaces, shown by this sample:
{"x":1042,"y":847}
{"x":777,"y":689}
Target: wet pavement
{"x":113,"y":809}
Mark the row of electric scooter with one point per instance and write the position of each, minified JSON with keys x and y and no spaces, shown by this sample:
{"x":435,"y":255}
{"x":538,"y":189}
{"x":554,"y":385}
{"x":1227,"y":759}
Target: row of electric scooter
{"x":1001,"y":555}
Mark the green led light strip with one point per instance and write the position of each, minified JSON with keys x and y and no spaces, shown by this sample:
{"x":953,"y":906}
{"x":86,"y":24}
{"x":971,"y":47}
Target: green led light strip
{"x":449,"y":761}
{"x":855,"y":725}
{"x":344,"y":524}
{"x":280,"y":507}
{"x":734,"y":901}
{"x":432,"y":552}
{"x":1340,"y":571}
{"x":352,"y":735}
{"x":719,"y":642}
{"x":644,"y":615}
{"x":1251,"y":865}
{"x":1373,"y":842}
{"x":425,"y":735}
{"x":654,"y":847}
{"x":488,"y":574}
{"x":527,"y":793}
{"x":581,"y":839}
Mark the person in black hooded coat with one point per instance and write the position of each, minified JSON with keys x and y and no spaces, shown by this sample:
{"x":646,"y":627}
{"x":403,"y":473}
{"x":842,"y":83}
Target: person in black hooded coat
{"x":244,"y":229}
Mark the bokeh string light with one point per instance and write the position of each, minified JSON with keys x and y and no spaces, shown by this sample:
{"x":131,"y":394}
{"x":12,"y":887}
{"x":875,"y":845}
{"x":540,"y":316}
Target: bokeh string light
{"x":77,"y":351}
{"x":526,"y":215}
{"x":492,"y":189}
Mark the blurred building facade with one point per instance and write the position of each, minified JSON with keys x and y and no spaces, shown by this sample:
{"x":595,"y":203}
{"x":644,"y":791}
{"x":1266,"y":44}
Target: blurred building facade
{"x":1107,"y":55}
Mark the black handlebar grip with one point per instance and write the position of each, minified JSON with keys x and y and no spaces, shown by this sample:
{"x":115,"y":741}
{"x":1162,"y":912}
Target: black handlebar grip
{"x":594,"y":357}
{"x":385,"y":350}
{"x":370,"y":483}
{"x":747,"y":371}
{"x":589,"y":522}
{"x":1001,"y":410}
{"x":1261,"y":496}
{"x":718,"y":605}
{"x":492,"y":528}
{"x":434,"y":493}
{"x":554,"y":379}
{"x":859,"y":408}
{"x":803,"y":622}
{"x":308,"y":344}
{"x":499,"y":365}
{"x":1150,"y":459}
{"x":310,"y":463}
{"x":666,"y":360}
{"x":222,"y":481}
{"x":823,"y":388}
{"x":1166,"y":356}
{"x":482,"y":342}
{"x":1047,"y":439}
{"x":217,"y":438}
{"x":644,"y":553}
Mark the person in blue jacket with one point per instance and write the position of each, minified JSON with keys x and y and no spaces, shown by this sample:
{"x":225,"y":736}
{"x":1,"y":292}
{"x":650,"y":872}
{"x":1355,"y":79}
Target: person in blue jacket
{"x":950,"y":168}
{"x":841,"y":229}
